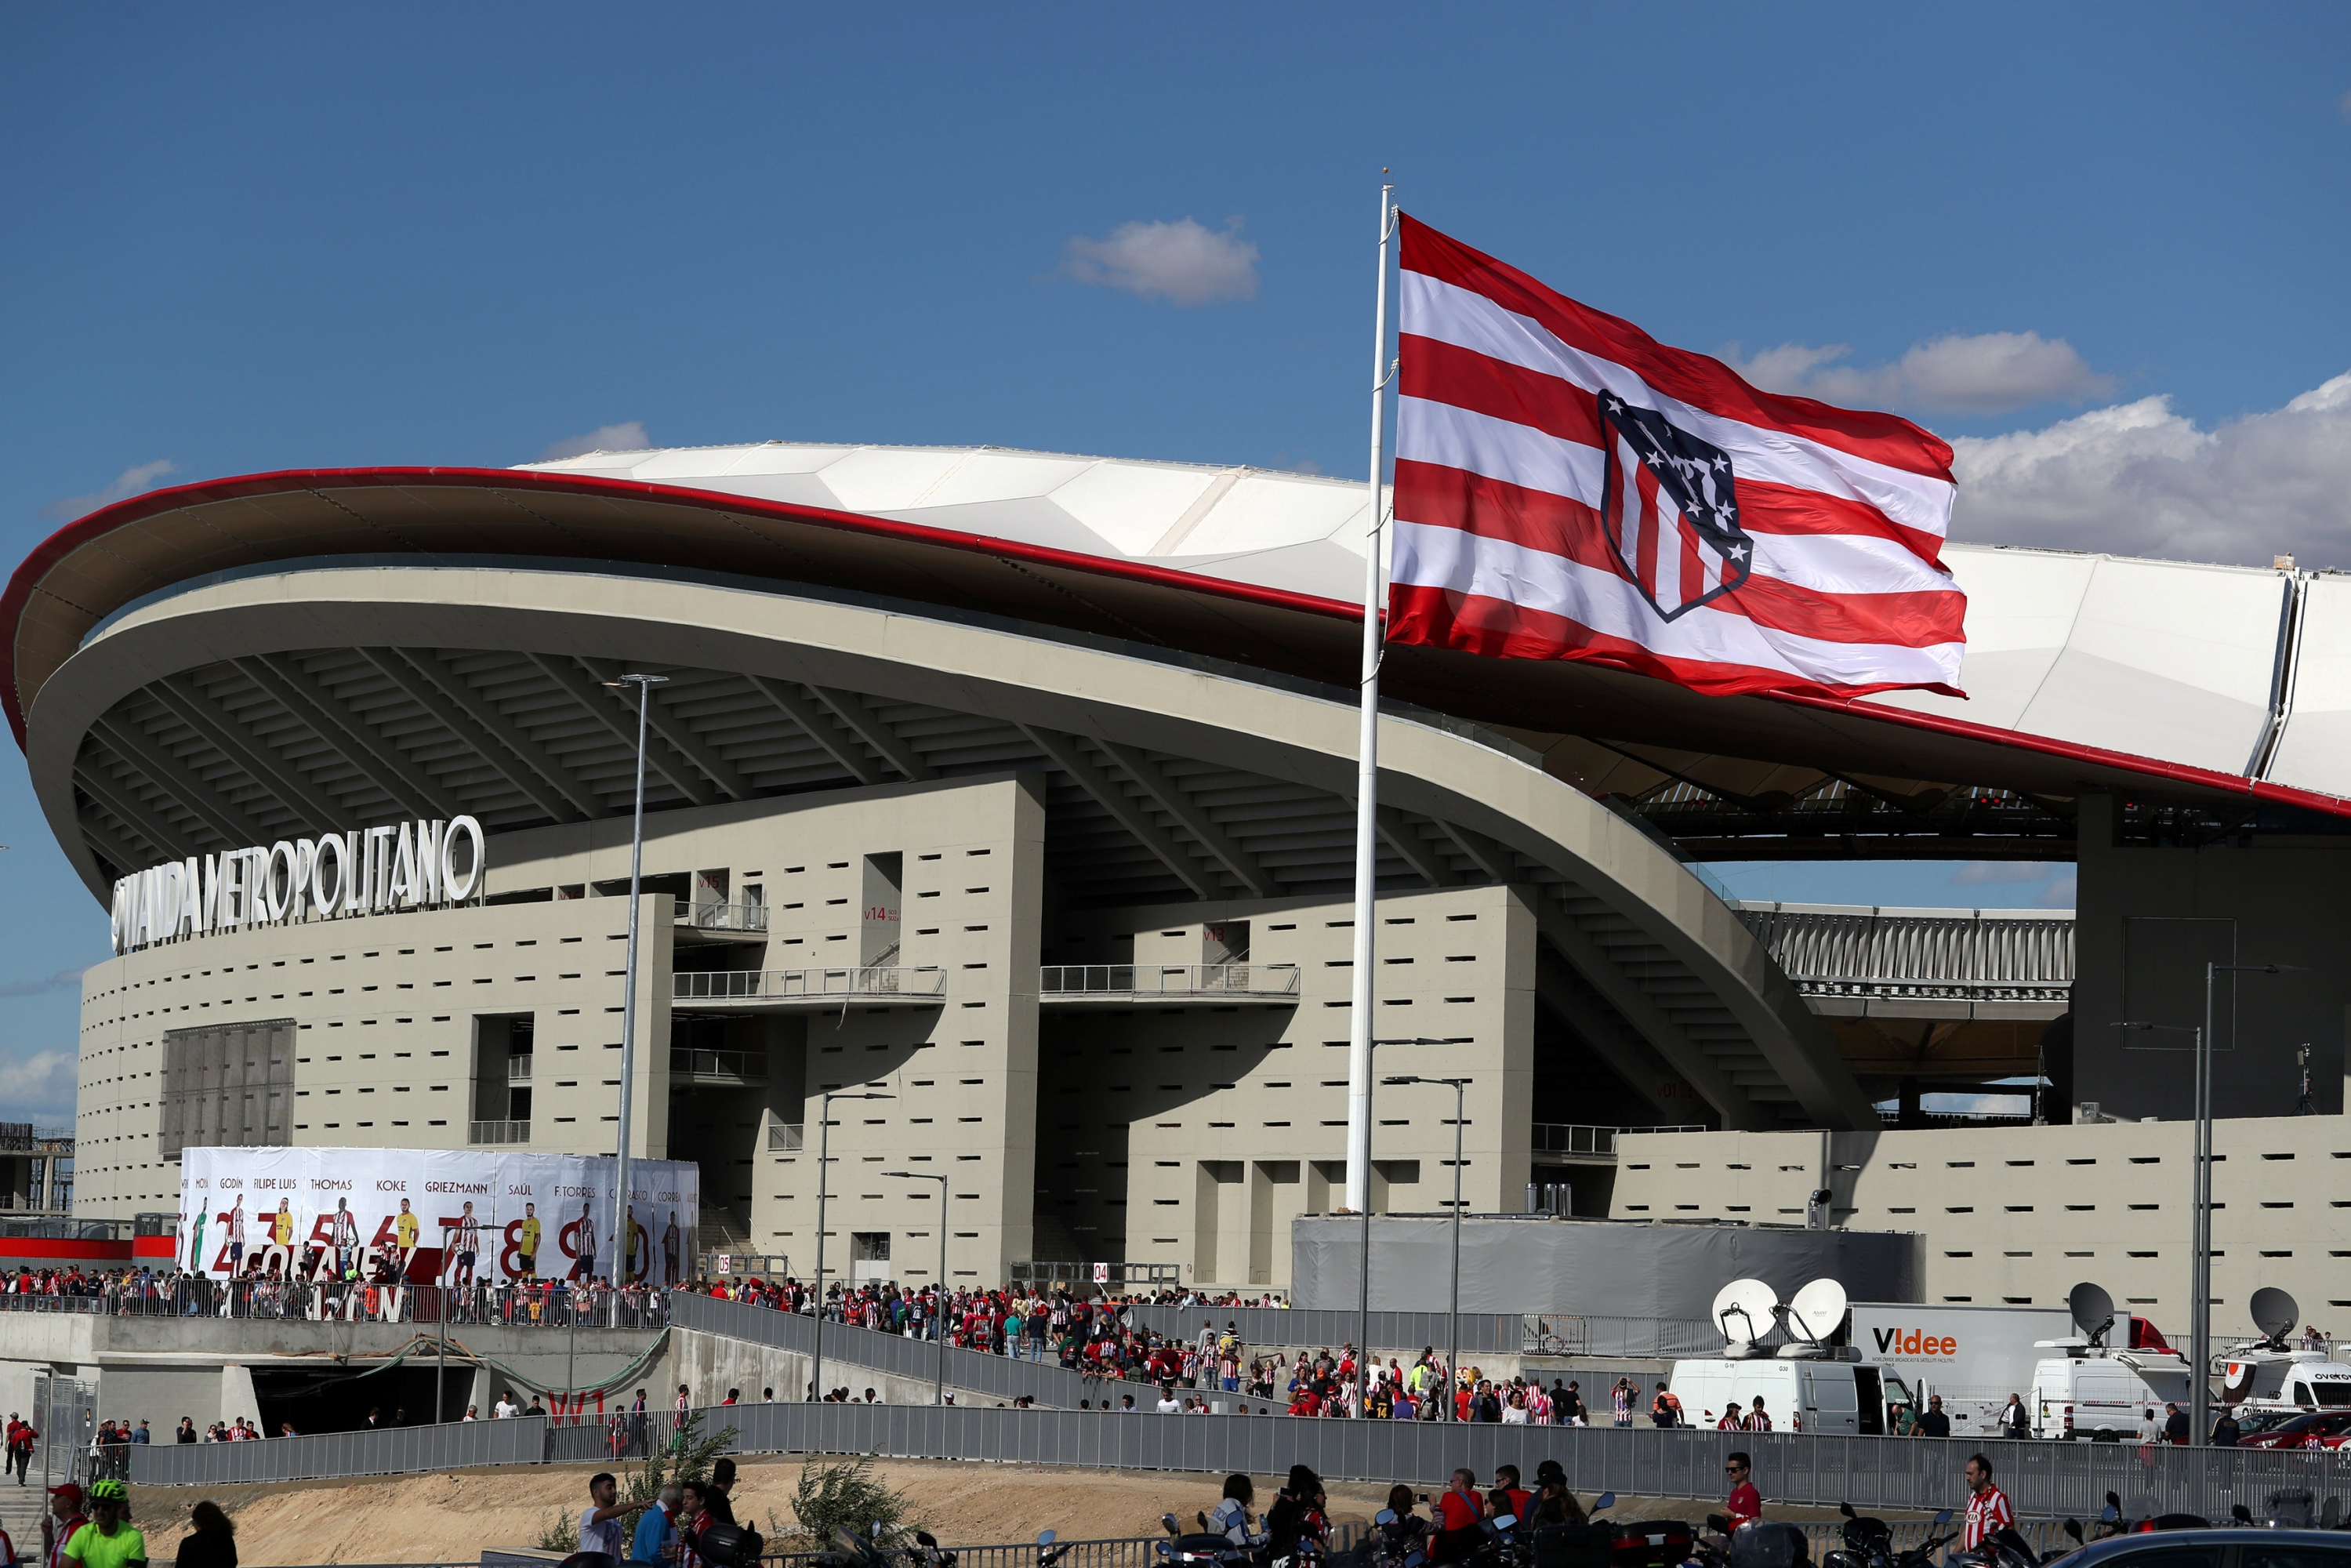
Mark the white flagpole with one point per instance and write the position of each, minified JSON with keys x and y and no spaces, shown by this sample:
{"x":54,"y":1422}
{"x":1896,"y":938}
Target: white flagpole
{"x":1368,"y":774}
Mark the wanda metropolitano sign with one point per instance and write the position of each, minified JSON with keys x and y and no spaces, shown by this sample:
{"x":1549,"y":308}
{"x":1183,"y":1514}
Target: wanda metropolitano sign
{"x":431,"y":1216}
{"x":367,"y":871}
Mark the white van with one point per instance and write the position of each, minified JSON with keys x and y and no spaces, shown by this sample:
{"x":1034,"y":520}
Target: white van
{"x":2263,"y":1379}
{"x":1846,"y":1397}
{"x":2084,"y":1394}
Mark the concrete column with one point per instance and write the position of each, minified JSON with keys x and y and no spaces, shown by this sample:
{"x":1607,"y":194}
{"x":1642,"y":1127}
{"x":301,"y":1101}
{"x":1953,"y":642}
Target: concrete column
{"x":238,"y":1398}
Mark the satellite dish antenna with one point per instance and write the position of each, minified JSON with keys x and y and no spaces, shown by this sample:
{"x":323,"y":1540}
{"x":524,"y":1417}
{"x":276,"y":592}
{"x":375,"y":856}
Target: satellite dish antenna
{"x":1818,"y":1310}
{"x":2275,"y":1313}
{"x":1745,"y":1309}
{"x":2092,"y":1310}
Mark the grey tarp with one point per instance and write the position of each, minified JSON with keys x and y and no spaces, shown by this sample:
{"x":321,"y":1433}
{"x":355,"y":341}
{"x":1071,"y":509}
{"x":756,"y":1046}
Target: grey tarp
{"x":1603,"y":1267}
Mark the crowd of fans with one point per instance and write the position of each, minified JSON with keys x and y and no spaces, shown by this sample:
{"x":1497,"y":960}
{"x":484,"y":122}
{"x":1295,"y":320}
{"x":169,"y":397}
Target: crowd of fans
{"x":382,"y":1297}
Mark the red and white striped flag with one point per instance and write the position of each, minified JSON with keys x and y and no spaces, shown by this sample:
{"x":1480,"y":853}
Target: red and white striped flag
{"x":1567,"y":487}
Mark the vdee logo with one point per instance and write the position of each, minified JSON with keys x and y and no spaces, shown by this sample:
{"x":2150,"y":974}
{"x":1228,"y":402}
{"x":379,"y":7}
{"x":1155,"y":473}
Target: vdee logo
{"x":1918,"y":1342}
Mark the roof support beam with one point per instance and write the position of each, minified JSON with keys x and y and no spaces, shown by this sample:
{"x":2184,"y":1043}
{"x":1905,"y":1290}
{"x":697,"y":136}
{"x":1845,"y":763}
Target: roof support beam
{"x":875,"y":733}
{"x":605,"y":710}
{"x":124,"y":802}
{"x":1113,"y":797}
{"x":497,"y":739}
{"x":176,"y":779}
{"x":674,"y":728}
{"x":372,"y":755}
{"x":1633,"y":1062}
{"x":1488,"y":856}
{"x":102,"y":839}
{"x":1194,"y":816}
{"x":1665,"y":1036}
{"x":818,"y":728}
{"x":1418,"y":851}
{"x":272,"y":772}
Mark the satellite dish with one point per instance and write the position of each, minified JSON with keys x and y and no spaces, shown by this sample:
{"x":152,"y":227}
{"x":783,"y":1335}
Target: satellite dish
{"x":1818,"y":1310}
{"x":2092,"y":1310}
{"x":1745,"y":1310}
{"x":2274,"y":1311}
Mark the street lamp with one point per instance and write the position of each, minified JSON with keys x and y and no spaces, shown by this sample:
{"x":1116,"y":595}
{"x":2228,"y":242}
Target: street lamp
{"x":2199,"y":1216}
{"x":1453,"y":1365}
{"x":939,"y":1319}
{"x":645,"y":685}
{"x":1364,"y":1280}
{"x":824,"y":1158}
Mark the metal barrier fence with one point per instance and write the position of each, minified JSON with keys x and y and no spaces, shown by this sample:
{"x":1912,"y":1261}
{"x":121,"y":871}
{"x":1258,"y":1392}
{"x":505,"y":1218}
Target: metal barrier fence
{"x":1662,"y":1338}
{"x":549,"y":1304}
{"x":996,"y":1376}
{"x":1860,"y":952}
{"x":2044,"y":1480}
{"x":1482,"y":1333}
{"x":398,"y":1450}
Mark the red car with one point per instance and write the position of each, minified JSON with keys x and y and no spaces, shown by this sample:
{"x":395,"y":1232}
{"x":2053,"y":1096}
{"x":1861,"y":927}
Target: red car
{"x":2320,"y":1429}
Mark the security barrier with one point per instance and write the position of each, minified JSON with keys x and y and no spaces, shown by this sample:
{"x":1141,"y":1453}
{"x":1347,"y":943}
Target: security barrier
{"x":996,"y":1376}
{"x":1482,"y":1333}
{"x":397,"y":1451}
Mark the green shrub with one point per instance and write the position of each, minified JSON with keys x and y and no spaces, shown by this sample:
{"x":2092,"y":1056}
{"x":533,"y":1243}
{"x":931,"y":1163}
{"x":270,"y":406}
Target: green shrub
{"x":848,"y":1496}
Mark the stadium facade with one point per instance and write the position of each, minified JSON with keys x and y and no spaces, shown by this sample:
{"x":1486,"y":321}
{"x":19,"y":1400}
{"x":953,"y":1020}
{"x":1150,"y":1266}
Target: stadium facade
{"x":1018,"y":787}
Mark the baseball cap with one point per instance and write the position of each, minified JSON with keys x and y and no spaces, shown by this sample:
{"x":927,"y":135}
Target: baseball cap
{"x":71,"y":1491}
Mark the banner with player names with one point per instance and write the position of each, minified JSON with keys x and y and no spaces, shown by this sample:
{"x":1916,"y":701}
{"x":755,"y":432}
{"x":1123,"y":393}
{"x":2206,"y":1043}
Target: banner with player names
{"x":431,"y":1216}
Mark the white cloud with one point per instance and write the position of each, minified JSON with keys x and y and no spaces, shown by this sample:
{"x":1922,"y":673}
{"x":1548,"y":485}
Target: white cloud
{"x":64,"y":980}
{"x":1182,"y":263}
{"x":628,"y":437}
{"x":40,"y":1086}
{"x":2003,"y":871}
{"x":2058,"y":894}
{"x":129,"y":482}
{"x":2139,"y":479}
{"x":1988,"y":372}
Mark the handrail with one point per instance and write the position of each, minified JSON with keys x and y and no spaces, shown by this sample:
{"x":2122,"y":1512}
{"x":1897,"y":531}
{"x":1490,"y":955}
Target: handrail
{"x":1576,"y":1138}
{"x":1168,"y":980}
{"x":848,"y":982}
{"x":742,"y":1066}
{"x":498,"y":1131}
{"x":724,"y":916}
{"x":1960,"y":953}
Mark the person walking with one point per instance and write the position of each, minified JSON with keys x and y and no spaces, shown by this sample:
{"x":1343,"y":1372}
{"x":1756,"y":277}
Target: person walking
{"x":2016,"y":1421}
{"x":21,"y":1437}
{"x":1934,"y":1422}
{"x":1989,"y":1512}
{"x":212,"y":1539}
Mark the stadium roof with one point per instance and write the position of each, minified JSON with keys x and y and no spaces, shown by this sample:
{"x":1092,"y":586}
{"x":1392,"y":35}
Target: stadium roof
{"x":2215,"y":687}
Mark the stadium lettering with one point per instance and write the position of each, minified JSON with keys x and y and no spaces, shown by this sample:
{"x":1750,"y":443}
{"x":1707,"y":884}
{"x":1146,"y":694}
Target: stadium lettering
{"x":408,"y":865}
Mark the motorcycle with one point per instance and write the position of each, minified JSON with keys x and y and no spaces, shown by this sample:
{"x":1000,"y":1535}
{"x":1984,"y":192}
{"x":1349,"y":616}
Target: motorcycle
{"x":1869,"y":1543}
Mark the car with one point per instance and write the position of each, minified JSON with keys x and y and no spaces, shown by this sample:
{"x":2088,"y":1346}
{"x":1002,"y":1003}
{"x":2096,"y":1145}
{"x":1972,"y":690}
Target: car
{"x":2228,"y":1547}
{"x":2319,"y":1429}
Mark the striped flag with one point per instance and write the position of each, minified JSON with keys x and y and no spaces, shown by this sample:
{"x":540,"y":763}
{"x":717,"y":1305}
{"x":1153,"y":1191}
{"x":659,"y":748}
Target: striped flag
{"x":1566,"y":488}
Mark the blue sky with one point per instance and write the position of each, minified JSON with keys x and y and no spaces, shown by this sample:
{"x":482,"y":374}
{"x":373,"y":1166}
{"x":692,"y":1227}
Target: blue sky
{"x":2103,"y":244}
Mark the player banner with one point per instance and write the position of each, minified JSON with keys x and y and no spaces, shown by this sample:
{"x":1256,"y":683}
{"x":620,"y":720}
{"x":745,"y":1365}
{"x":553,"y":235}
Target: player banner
{"x":431,"y":1216}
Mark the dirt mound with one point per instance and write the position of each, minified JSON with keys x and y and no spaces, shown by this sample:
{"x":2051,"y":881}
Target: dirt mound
{"x":452,"y":1517}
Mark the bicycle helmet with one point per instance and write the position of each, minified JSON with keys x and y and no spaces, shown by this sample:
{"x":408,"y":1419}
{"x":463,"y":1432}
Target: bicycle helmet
{"x":107,"y":1491}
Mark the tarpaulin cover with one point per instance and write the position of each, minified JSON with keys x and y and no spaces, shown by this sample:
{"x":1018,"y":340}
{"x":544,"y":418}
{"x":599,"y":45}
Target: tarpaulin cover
{"x":1598,"y":1268}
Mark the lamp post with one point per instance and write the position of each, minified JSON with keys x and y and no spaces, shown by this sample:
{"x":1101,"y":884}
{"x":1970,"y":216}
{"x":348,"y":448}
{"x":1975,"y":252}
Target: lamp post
{"x":1363,"y":1278}
{"x":2200,"y":1207}
{"x":823,"y":1178}
{"x":1453,"y":1350}
{"x":645,"y":685}
{"x":938,"y":1324}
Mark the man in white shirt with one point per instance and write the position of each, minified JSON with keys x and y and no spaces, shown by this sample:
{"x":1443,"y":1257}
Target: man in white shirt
{"x":600,"y":1523}
{"x":505,"y":1409}
{"x":1168,"y":1404}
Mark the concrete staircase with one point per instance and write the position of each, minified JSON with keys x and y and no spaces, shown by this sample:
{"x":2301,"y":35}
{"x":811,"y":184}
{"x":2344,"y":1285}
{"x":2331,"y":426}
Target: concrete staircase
{"x":20,"y":1514}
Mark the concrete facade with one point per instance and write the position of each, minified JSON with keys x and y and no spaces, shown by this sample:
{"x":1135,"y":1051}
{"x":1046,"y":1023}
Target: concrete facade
{"x":2020,"y":1215}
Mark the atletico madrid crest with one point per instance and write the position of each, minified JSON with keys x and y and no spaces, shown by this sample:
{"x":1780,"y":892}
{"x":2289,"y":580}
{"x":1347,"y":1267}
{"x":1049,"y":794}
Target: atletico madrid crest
{"x":1670,"y":509}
